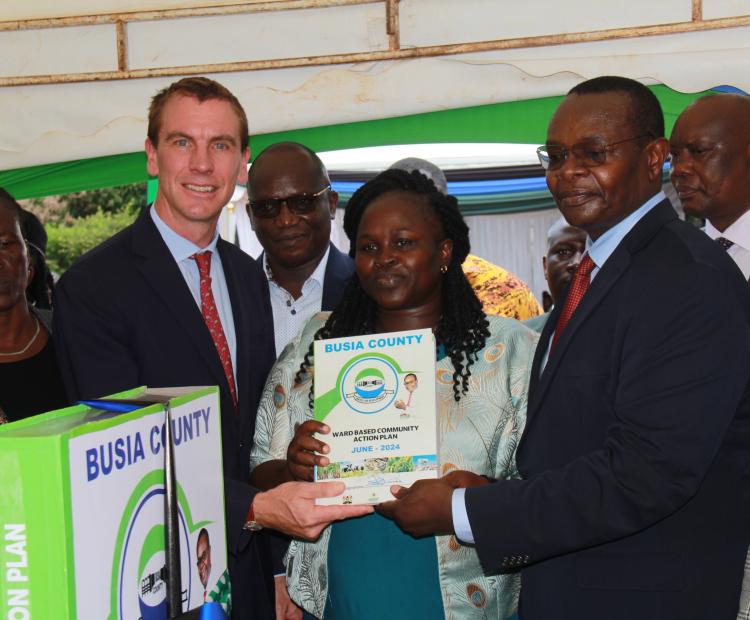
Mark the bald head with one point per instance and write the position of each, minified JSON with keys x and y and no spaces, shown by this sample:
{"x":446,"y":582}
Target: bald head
{"x":427,"y":168}
{"x":710,"y":146}
{"x":291,"y":208}
{"x":282,"y":155}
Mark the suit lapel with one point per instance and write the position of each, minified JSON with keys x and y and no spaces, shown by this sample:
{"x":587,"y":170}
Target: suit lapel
{"x":242,"y":328}
{"x":161,"y":272}
{"x":605,"y":279}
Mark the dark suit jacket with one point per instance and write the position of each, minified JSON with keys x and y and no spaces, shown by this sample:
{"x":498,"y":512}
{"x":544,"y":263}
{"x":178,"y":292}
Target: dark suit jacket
{"x":636,"y":453}
{"x":124,"y":317}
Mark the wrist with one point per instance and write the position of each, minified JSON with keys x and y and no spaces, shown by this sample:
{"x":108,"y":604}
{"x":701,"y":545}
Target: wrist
{"x":251,"y":520}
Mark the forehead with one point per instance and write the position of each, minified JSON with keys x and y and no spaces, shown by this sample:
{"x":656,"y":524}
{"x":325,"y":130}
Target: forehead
{"x":9,"y":222}
{"x":209,"y":118}
{"x":283,"y":172}
{"x":567,"y":234}
{"x":599,"y":116}
{"x":399,"y":210}
{"x":714,"y":119}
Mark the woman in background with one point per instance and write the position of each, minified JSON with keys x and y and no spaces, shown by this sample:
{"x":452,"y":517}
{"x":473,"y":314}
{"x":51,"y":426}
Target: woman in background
{"x":30,"y":381}
{"x":408,"y":241}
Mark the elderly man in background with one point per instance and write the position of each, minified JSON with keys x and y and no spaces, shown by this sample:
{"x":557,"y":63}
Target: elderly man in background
{"x":710,"y":147}
{"x":565,"y":247}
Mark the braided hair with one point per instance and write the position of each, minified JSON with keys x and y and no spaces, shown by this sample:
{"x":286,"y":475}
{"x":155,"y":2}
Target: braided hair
{"x":463,"y":328}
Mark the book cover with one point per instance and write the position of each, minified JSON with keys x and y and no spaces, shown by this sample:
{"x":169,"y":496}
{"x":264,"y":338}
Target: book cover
{"x":377,"y":394}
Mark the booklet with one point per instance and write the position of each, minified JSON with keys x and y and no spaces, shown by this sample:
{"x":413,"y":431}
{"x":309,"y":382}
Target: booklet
{"x":377,"y":394}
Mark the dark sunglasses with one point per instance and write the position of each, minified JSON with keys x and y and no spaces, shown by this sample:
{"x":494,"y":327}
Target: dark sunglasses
{"x":588,"y":154}
{"x":299,"y":204}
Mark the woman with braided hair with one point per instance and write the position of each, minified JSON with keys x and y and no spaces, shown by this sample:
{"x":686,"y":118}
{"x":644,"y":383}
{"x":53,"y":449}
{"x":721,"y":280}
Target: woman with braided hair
{"x":408,"y":241}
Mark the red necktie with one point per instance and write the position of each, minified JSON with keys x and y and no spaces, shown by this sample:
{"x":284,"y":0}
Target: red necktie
{"x":211,"y":317}
{"x":578,"y":288}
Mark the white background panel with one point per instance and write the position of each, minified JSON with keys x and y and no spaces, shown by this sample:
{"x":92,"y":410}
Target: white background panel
{"x":257,"y":36}
{"x":58,"y":50}
{"x":716,"y":9}
{"x":438,"y":22}
{"x":35,"y":9}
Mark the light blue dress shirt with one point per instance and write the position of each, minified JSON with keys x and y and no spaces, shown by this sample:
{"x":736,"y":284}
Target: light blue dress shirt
{"x":599,"y":251}
{"x":181,"y":250}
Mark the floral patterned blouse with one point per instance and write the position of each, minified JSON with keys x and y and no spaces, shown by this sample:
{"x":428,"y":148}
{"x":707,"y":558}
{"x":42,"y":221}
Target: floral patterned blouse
{"x":479,"y":433}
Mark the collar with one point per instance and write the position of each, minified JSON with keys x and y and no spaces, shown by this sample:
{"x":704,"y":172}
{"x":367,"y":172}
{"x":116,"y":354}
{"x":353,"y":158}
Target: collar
{"x":601,"y":249}
{"x":318,"y":275}
{"x":180,"y":248}
{"x":738,"y":232}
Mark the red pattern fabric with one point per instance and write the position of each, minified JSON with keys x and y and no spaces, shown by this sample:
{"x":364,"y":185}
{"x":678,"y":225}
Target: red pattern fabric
{"x":211,"y":317}
{"x":578,"y":287}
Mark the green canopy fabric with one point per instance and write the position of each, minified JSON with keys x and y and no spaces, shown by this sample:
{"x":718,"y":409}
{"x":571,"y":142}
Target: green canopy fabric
{"x":513,"y":122}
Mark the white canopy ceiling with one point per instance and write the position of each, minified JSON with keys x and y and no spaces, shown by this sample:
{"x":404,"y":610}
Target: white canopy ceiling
{"x":75,"y":85}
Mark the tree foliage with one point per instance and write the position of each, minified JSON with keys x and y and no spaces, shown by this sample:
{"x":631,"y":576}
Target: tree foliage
{"x":106,"y":199}
{"x":66,"y":243}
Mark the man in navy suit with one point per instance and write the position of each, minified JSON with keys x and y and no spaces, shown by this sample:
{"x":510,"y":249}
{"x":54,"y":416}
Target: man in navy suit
{"x":634,"y":495}
{"x":166,"y":302}
{"x":291,"y":205}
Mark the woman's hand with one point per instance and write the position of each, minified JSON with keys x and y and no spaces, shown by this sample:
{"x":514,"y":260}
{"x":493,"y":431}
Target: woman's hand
{"x":300,"y":456}
{"x":286,"y":609}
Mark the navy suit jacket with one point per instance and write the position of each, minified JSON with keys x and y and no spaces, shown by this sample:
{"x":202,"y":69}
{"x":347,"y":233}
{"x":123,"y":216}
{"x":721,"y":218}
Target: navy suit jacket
{"x":635,"y":459}
{"x":125,"y":317}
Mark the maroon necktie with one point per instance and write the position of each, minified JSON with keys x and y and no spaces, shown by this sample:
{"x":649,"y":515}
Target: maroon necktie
{"x":578,"y":288}
{"x":211,"y":317}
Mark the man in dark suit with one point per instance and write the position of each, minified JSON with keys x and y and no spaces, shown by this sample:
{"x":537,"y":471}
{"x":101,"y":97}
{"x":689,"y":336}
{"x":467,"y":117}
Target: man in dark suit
{"x":291,"y":205}
{"x":166,"y":302}
{"x":710,"y":147}
{"x":634,"y":495}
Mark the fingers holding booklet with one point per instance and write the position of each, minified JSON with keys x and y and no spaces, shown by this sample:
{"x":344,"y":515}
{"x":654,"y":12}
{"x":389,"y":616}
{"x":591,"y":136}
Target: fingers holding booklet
{"x":291,"y":508}
{"x":305,"y":451}
{"x":424,"y":508}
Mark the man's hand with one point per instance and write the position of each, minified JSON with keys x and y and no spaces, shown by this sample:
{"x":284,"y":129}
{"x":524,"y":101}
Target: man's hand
{"x":300,"y":456}
{"x":462,"y":479}
{"x":290,"y":508}
{"x":286,"y":608}
{"x":425,"y":507}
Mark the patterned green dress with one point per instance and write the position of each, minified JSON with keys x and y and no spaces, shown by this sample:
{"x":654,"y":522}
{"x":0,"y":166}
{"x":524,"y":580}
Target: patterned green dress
{"x":479,"y":433}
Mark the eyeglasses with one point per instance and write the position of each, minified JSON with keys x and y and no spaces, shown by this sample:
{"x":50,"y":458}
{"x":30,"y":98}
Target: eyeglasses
{"x":299,"y":204}
{"x":588,"y":154}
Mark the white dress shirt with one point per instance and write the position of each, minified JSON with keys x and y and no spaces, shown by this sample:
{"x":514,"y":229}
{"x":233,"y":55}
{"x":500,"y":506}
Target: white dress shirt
{"x":289,"y":314}
{"x":739,"y":234}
